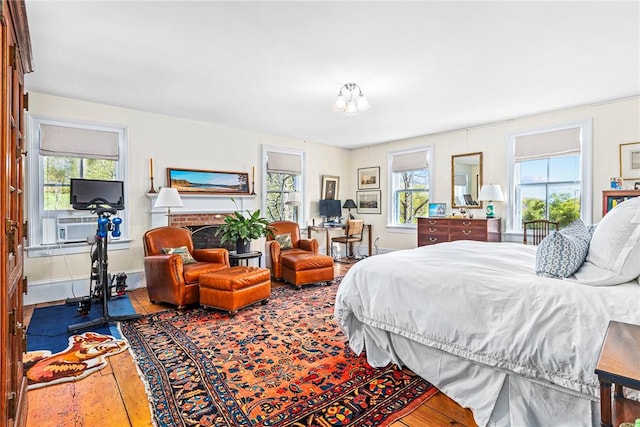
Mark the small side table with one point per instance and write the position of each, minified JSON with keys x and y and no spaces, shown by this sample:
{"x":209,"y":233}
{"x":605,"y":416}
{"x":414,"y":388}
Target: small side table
{"x":236,"y":258}
{"x":619,"y":364}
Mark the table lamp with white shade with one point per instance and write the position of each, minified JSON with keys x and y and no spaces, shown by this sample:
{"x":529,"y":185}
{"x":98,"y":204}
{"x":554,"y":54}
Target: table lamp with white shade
{"x":490,"y":193}
{"x":168,"y":198}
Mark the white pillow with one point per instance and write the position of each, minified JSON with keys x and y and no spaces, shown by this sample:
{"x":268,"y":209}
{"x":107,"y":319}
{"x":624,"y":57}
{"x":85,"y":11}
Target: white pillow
{"x":614,"y":252}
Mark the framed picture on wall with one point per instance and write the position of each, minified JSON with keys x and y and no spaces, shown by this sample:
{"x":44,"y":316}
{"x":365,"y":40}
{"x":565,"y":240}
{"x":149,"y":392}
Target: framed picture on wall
{"x":369,"y":178}
{"x":368,"y":202}
{"x":208,"y":182}
{"x":330,"y":187}
{"x":630,"y":160}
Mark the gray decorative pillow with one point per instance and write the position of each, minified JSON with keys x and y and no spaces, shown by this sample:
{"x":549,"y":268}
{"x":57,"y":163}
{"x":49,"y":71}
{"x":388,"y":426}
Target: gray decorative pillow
{"x":284,"y":240}
{"x":563,"y":252}
{"x":183,"y":252}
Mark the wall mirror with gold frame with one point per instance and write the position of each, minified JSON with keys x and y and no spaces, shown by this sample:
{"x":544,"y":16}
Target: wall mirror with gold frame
{"x":466,"y":180}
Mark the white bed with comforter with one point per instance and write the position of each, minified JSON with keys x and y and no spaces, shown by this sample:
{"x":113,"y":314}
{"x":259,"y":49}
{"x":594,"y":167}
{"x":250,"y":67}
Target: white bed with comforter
{"x":475,"y":320}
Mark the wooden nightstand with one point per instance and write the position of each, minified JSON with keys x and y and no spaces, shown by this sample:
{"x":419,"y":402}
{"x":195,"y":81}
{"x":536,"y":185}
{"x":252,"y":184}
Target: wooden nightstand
{"x":619,"y":364}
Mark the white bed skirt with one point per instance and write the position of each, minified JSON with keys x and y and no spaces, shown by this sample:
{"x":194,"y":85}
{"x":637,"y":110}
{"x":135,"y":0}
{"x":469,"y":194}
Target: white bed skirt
{"x":520,"y":402}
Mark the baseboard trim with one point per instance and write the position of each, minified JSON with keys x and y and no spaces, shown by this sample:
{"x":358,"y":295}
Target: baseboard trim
{"x":57,"y":290}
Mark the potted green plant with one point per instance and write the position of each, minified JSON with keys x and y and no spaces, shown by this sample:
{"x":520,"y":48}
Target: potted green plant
{"x":242,"y":228}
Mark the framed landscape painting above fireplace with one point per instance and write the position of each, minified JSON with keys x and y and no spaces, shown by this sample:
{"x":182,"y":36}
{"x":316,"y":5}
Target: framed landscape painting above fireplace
{"x":208,"y":182}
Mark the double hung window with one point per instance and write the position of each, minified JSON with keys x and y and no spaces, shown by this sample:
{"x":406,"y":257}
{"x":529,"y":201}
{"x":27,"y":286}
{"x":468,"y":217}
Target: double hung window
{"x":284,"y":185}
{"x":410,"y":179}
{"x":549,"y":175}
{"x":64,"y":151}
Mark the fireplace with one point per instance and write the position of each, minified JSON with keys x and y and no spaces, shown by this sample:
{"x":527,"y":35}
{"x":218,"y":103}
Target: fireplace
{"x":203,"y":227}
{"x":204,"y":237}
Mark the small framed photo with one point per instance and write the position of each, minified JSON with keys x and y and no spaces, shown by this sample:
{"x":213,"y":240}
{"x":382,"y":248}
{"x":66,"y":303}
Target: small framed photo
{"x":369,"y":178}
{"x":636,"y":185}
{"x":330,"y":187}
{"x":437,"y":210}
{"x":630,"y":160}
{"x":368,"y":202}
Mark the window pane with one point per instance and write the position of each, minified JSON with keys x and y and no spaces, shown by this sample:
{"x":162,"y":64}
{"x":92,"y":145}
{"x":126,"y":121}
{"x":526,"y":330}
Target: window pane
{"x":57,"y":172}
{"x":565,"y":168}
{"x":564,"y":203}
{"x":278,"y":187}
{"x":99,"y":169}
{"x":532,"y":171}
{"x":532,"y":202}
{"x":411,"y":205}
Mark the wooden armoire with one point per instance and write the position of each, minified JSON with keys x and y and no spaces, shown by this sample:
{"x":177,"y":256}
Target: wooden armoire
{"x":16,"y":61}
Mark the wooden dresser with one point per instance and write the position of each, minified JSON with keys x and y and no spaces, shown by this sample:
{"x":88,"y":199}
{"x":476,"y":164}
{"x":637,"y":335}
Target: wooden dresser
{"x":438,"y":230}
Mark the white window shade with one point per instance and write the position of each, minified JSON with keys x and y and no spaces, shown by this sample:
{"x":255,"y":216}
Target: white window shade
{"x":409,"y":161}
{"x":284,"y":163}
{"x":460,"y":179}
{"x":78,"y":142}
{"x":547,"y":144}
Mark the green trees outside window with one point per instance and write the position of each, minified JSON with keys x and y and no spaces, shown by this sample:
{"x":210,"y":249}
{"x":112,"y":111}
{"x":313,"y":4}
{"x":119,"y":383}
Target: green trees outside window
{"x":549,"y":188}
{"x":58,"y":172}
{"x":411,"y":195}
{"x":279,"y":185}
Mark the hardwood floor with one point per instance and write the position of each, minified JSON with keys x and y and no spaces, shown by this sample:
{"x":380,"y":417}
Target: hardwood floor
{"x":115,"y":396}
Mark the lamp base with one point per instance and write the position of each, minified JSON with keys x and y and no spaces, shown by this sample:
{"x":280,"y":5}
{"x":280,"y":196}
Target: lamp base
{"x":490,"y":212}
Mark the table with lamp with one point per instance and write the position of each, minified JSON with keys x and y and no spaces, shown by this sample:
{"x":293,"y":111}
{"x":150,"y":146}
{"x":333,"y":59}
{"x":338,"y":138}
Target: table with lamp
{"x":432,"y":230}
{"x":326,"y":229}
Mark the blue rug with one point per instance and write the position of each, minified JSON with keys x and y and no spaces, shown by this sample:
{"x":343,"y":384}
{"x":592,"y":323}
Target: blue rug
{"x":48,"y":326}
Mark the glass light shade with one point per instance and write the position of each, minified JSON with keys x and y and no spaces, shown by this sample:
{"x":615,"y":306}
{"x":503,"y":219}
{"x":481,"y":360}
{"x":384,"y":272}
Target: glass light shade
{"x":340,"y":104}
{"x":168,"y":198}
{"x":362,"y":103}
{"x":351,"y":107}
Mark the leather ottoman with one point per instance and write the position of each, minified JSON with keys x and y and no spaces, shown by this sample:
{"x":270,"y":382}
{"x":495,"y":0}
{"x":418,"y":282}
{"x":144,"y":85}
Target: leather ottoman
{"x":235,"y":287}
{"x":302,"y":268}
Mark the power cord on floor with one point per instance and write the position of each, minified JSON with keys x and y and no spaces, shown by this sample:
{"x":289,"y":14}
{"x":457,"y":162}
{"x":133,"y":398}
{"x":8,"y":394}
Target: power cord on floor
{"x":375,"y":244}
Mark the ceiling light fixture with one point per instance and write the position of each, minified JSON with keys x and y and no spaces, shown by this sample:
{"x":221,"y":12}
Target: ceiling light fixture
{"x":352,"y":100}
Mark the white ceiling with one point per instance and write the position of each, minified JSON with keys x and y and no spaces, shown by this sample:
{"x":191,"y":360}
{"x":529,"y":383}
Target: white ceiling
{"x":276,"y":67}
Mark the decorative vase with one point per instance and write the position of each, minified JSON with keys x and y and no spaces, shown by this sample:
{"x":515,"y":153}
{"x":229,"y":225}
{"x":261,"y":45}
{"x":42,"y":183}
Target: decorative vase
{"x":243,"y":247}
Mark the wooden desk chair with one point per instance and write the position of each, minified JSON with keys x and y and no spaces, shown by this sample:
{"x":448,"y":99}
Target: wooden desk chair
{"x":539,"y":229}
{"x":353,"y":231}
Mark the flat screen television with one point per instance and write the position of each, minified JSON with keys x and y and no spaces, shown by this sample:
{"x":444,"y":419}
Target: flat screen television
{"x":88,"y":194}
{"x":331,"y":208}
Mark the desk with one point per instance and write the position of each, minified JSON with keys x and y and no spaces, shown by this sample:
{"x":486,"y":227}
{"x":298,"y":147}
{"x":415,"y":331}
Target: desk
{"x":235,"y":258}
{"x":619,"y":363}
{"x":325,"y":230}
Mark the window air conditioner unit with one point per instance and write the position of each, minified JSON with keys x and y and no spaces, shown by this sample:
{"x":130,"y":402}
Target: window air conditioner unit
{"x":75,"y":228}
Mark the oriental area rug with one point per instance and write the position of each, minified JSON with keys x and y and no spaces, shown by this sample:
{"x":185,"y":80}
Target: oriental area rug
{"x":285,"y":363}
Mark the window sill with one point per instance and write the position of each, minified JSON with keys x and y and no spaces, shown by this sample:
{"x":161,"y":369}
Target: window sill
{"x":402,"y":229}
{"x":72,"y":248}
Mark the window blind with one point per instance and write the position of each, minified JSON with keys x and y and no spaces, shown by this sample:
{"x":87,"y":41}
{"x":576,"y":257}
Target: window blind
{"x":547,"y":144}
{"x":409,"y":161}
{"x":78,"y":142}
{"x":460,"y":179}
{"x":284,"y":163}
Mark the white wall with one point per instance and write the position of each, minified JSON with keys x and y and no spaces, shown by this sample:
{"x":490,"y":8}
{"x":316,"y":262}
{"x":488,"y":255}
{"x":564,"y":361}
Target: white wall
{"x":175,"y":142}
{"x":171,"y":142}
{"x":614,"y":123}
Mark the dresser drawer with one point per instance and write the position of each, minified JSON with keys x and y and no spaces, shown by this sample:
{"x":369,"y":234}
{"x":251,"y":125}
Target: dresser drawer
{"x":480,"y":235}
{"x":424,"y":240}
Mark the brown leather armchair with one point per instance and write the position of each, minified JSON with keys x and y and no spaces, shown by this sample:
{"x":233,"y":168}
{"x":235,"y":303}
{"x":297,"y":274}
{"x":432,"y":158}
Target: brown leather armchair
{"x":299,"y":245}
{"x":168,"y":278}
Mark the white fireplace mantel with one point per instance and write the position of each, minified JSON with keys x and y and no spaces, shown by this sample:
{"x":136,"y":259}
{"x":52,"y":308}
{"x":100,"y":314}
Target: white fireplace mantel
{"x":200,"y":203}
